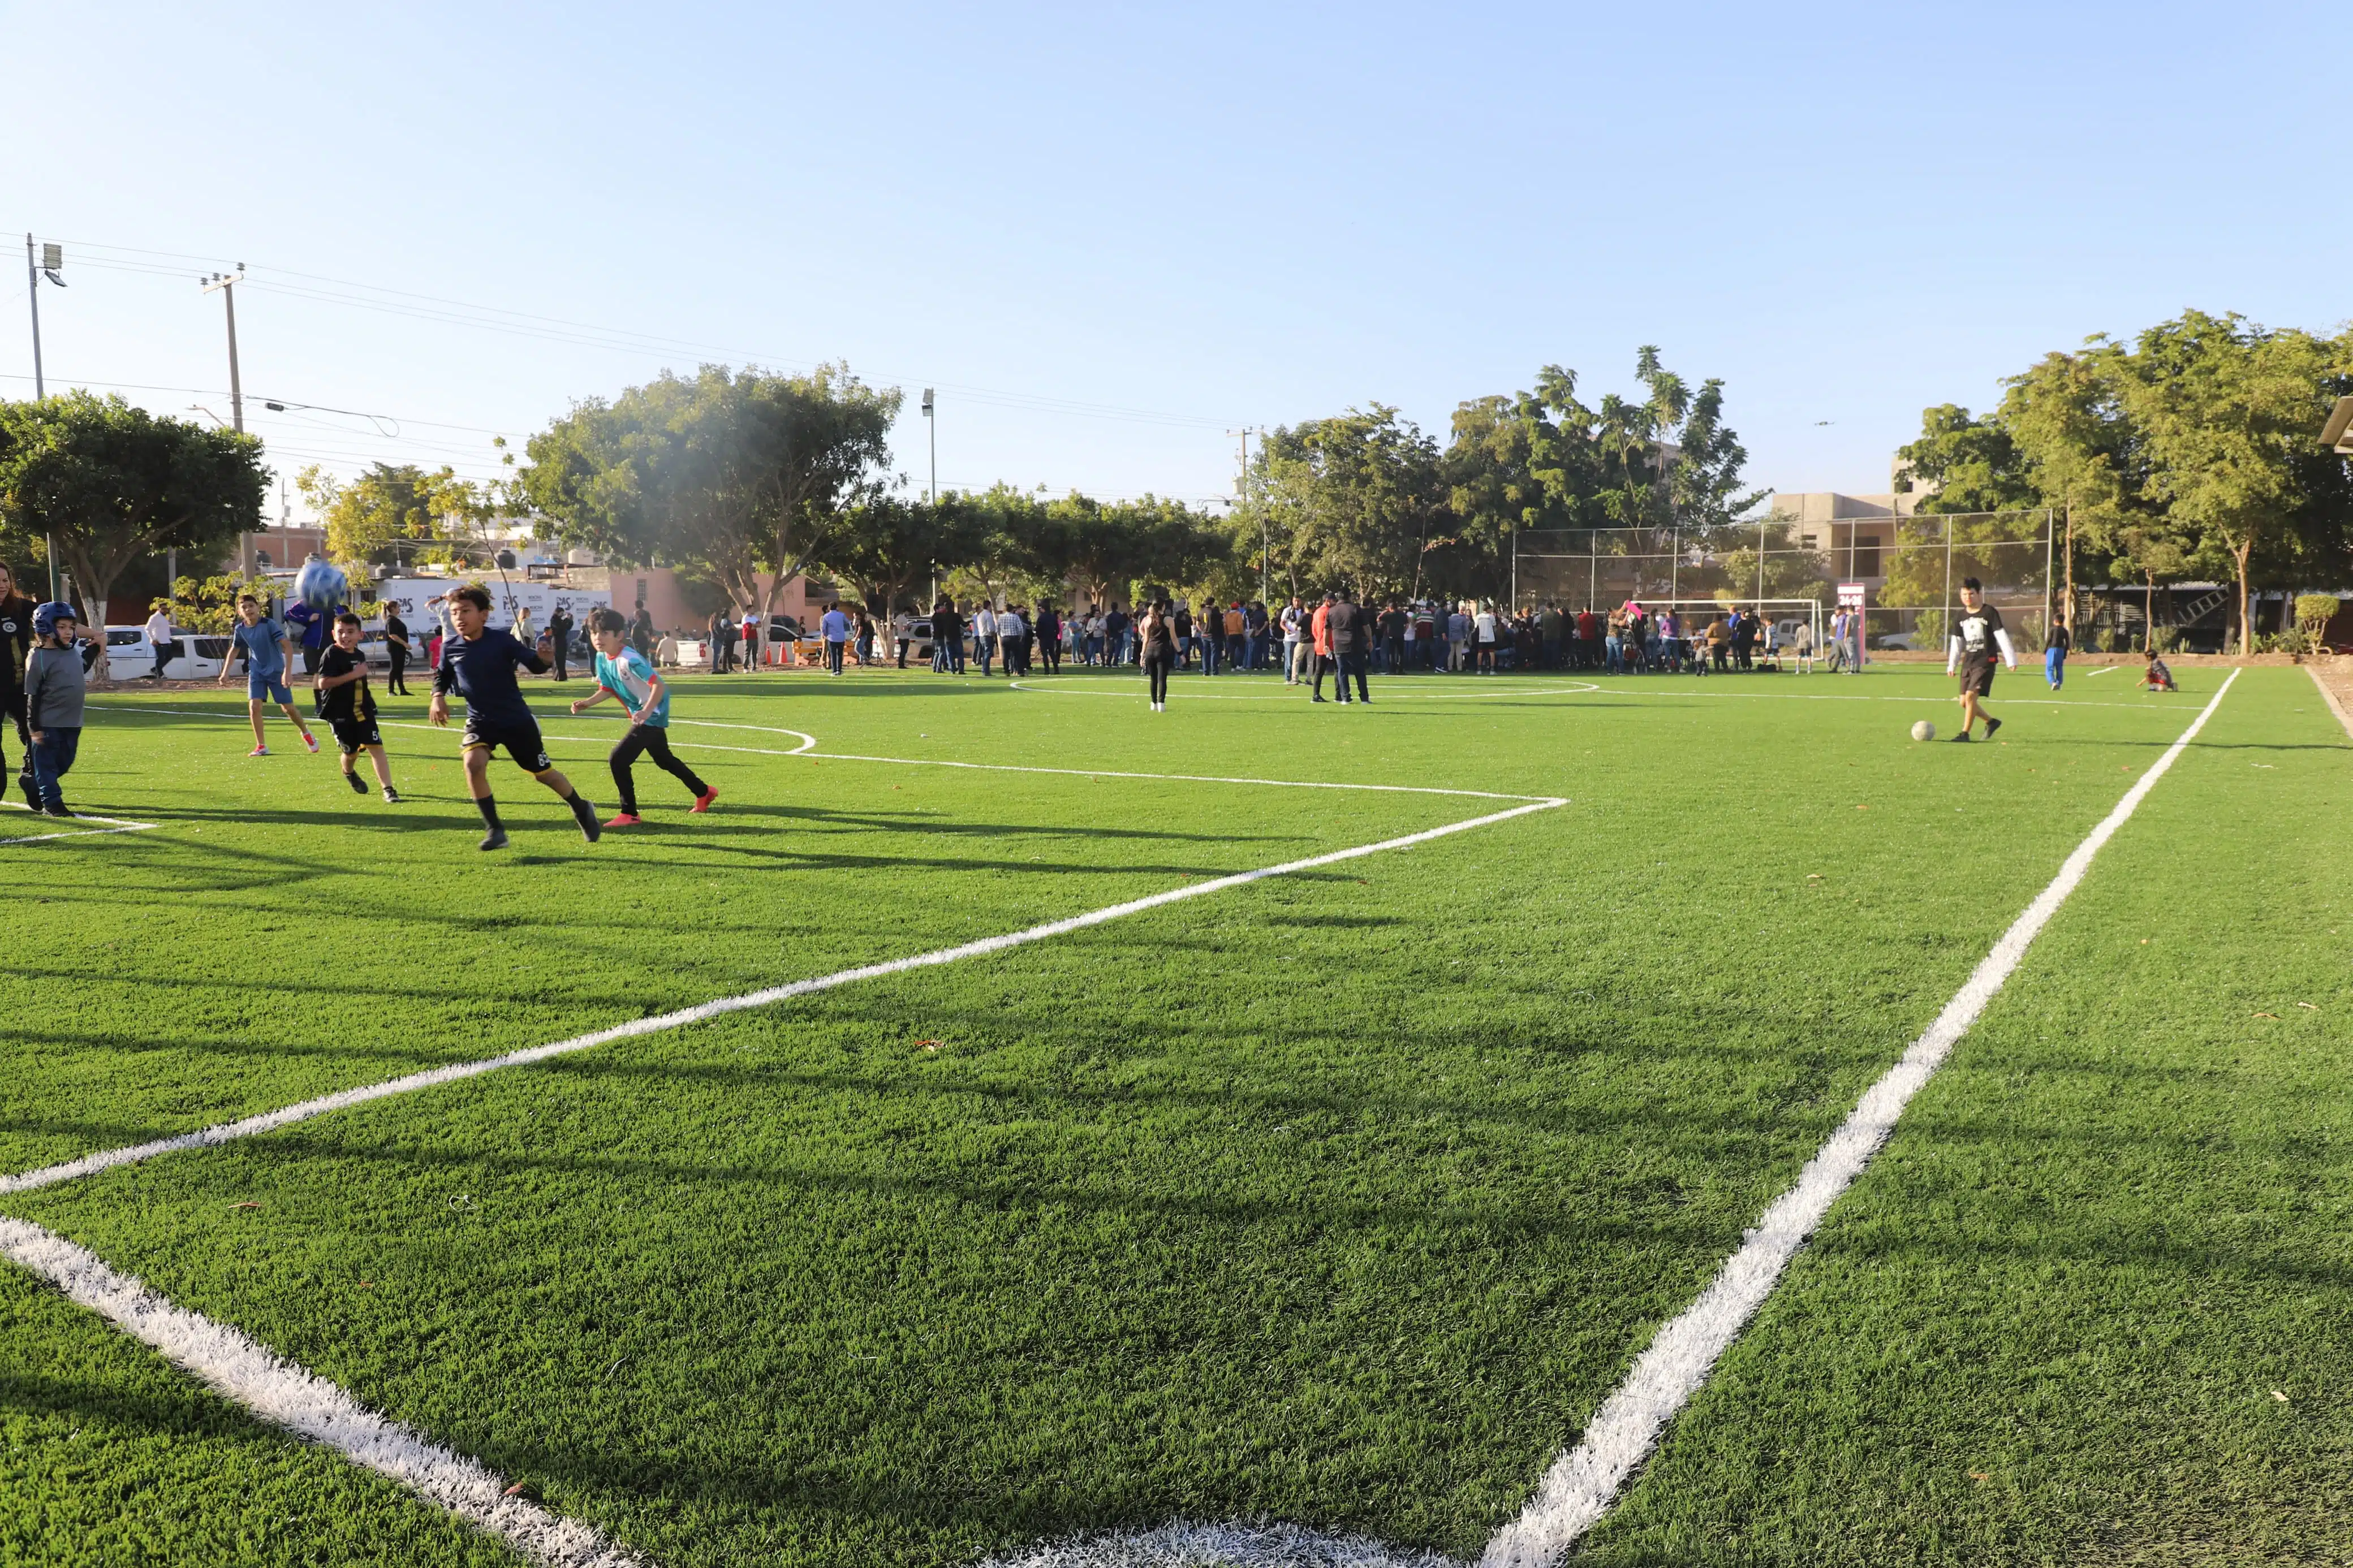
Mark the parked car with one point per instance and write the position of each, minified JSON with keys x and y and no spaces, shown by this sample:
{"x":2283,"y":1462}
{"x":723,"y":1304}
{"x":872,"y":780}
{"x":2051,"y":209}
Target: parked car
{"x":131,"y":657}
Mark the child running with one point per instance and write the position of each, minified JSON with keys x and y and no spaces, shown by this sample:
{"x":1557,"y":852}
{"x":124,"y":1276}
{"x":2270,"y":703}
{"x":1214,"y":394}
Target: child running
{"x":347,"y":707}
{"x":480,"y":663}
{"x":54,"y":689}
{"x":623,"y":674}
{"x":266,"y":647}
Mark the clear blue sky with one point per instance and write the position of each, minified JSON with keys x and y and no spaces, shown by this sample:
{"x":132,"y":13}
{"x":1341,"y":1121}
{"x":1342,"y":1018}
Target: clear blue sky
{"x":1215,"y":214}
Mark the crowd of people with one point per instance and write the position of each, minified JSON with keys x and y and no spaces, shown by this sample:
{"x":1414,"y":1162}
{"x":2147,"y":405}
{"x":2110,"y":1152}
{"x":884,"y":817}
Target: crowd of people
{"x":1394,"y":638}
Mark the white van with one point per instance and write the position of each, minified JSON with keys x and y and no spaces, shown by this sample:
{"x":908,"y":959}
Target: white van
{"x":131,"y":657}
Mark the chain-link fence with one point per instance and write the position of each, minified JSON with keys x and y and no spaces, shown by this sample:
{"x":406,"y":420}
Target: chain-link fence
{"x":1911,"y":568}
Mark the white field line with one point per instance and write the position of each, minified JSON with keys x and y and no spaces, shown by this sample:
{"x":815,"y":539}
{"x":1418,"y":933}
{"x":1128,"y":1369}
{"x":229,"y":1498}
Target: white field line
{"x":301,"y":1402}
{"x":114,"y":825}
{"x":2103,"y":670}
{"x":270,"y":1121}
{"x":1586,"y":688}
{"x":805,"y":750}
{"x":1582,"y":1483}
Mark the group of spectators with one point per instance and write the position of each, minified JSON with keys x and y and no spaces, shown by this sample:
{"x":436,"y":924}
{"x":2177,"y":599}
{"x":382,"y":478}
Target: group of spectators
{"x":1393,"y":637}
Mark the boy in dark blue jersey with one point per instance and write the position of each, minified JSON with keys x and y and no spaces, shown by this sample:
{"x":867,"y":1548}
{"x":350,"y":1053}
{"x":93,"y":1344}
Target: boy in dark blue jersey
{"x":480,"y":663}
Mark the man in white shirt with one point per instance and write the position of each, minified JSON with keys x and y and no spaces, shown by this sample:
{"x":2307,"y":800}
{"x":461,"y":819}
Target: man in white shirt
{"x":159,"y":638}
{"x":1009,"y":631}
{"x":984,"y":634}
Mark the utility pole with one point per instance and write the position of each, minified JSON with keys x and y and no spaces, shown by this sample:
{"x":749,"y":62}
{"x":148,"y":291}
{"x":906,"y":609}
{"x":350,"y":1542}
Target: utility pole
{"x":226,"y":284}
{"x":1241,"y":496}
{"x":53,"y":258}
{"x":931,"y":423}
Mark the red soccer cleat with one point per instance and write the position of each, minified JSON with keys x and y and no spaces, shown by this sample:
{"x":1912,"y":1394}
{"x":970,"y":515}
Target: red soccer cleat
{"x":702,"y":802}
{"x":623,"y":819}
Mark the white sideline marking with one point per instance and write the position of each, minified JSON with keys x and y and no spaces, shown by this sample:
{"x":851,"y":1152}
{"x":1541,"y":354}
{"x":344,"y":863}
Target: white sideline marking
{"x":116,"y":825}
{"x":306,"y":1405}
{"x":1187,"y":1545}
{"x":2103,"y":670}
{"x":805,"y":750}
{"x":1581,"y":1484}
{"x":270,"y":1121}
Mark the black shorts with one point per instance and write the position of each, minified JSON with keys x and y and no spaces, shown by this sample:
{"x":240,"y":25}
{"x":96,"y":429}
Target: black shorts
{"x":1977,"y":675}
{"x":353,"y":735}
{"x":522,"y":742}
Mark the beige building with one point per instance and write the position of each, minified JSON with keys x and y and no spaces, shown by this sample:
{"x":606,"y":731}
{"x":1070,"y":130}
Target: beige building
{"x":1854,"y":530}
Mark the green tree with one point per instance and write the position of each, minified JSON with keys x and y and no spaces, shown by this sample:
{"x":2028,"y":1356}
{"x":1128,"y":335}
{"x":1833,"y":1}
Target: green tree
{"x":112,"y":484}
{"x":2227,"y":411}
{"x":1358,"y":500}
{"x":729,"y":475}
{"x":395,"y":514}
{"x":209,"y":604}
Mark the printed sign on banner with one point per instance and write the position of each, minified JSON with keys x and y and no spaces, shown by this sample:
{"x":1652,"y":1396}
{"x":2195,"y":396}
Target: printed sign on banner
{"x":1850,"y":595}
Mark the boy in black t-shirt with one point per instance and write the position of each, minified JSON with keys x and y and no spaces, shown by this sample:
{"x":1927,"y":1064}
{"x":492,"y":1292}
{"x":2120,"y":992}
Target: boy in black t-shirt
{"x":348,"y":706}
{"x":1976,"y":633}
{"x":480,"y":664}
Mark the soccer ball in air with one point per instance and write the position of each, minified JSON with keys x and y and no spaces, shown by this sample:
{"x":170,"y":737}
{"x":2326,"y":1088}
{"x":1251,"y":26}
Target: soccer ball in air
{"x":321,"y":584}
{"x":1923,"y":731}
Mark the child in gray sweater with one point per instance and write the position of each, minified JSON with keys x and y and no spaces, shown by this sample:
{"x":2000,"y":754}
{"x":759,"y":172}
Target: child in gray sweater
{"x":54,"y":689}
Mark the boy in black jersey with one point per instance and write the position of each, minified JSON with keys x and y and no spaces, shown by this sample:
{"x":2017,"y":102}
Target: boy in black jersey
{"x":348,"y":706}
{"x":480,"y":663}
{"x":1976,"y":634}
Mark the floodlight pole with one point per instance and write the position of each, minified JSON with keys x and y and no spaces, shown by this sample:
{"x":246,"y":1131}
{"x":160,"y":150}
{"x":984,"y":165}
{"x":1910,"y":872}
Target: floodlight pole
{"x":228,"y":287}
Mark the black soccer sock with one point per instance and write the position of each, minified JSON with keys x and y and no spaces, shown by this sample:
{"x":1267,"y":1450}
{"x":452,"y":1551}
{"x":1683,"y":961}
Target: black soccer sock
{"x":581,"y":808}
{"x":490,"y":810}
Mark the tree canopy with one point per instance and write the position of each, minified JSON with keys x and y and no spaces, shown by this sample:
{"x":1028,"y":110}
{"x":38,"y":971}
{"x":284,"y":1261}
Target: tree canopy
{"x":2188,"y":451}
{"x":731,"y":475}
{"x":113,"y":484}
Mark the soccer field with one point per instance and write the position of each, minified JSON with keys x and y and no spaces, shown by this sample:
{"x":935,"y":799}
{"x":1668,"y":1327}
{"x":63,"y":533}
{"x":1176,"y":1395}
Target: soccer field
{"x":1331,"y":1203}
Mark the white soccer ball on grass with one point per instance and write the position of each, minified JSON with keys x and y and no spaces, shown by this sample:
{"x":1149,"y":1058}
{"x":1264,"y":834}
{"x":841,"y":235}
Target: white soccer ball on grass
{"x":1923,"y":731}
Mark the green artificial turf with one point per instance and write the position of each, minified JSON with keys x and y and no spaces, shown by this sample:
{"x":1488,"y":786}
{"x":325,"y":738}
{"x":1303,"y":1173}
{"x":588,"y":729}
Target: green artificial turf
{"x":2055,"y":1322}
{"x":1340,"y":1198}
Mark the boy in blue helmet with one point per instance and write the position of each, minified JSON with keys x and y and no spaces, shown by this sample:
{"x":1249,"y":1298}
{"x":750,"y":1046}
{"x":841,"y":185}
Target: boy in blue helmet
{"x":54,"y":687}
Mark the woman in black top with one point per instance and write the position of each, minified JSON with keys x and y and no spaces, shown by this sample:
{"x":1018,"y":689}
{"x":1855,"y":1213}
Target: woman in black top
{"x":396,"y":642}
{"x":1159,"y":633}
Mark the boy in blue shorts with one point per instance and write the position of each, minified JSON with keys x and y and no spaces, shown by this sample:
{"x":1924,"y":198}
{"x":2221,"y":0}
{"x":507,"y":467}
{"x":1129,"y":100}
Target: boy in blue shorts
{"x":622,"y":673}
{"x":266,"y":647}
{"x":480,"y":664}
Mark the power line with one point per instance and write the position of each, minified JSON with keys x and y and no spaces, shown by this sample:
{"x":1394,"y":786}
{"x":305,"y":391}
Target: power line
{"x":518,"y":323}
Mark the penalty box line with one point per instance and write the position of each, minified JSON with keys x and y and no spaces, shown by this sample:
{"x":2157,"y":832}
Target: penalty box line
{"x":298,"y":1399}
{"x":113,"y":825}
{"x":269,"y":1121}
{"x":1584,"y":1481}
